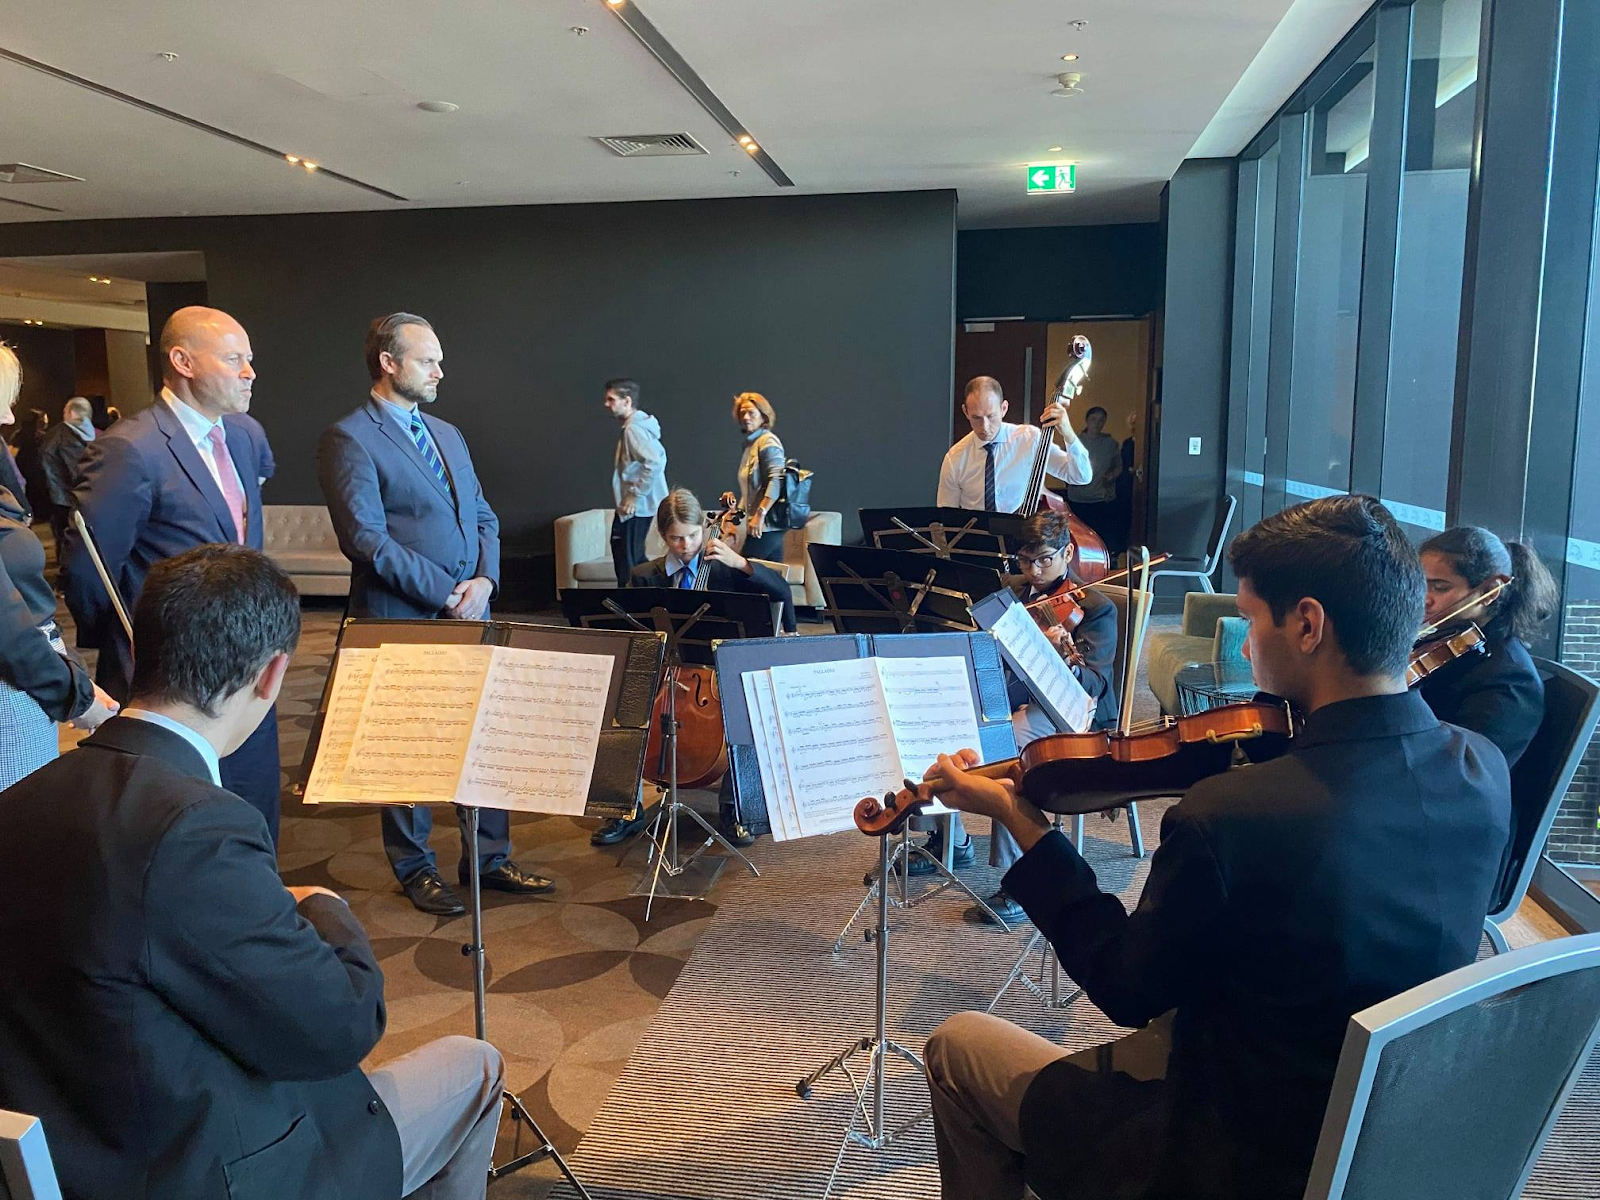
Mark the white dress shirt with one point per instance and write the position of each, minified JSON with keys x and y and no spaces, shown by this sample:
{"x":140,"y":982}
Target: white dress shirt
{"x":961,"y":476}
{"x":199,"y":430}
{"x":206,"y":749}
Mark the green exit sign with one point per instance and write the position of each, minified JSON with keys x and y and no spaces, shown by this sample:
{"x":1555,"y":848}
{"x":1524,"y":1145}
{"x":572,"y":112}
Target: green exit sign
{"x":1052,"y":179}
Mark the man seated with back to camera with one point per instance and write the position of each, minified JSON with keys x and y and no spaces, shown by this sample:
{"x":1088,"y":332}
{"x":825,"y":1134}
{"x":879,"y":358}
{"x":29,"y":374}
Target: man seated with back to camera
{"x":184,"y":1026}
{"x":1284,"y":897}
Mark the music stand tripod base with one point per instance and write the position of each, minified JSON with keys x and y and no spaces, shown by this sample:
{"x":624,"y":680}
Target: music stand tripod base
{"x":681,"y":878}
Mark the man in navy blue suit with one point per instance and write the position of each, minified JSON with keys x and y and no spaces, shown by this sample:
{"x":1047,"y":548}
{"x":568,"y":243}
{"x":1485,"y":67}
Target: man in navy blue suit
{"x":184,"y":472}
{"x":422,"y":542}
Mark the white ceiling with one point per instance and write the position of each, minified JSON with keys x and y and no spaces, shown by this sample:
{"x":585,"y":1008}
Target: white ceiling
{"x":844,"y":95}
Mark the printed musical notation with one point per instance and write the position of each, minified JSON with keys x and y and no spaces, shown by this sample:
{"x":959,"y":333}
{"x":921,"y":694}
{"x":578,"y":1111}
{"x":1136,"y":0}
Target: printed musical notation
{"x":493,"y":726}
{"x":829,"y":733}
{"x":1040,"y":665}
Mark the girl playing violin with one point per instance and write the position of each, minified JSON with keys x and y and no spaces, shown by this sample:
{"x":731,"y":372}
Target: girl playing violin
{"x":1498,"y":693}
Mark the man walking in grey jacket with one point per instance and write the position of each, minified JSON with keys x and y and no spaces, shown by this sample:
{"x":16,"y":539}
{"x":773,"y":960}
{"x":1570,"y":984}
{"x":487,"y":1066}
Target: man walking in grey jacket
{"x":638,"y":476}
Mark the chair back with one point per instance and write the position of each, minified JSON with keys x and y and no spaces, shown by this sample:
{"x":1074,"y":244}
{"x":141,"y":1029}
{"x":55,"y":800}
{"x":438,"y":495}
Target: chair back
{"x":26,"y":1172}
{"x":1118,"y":595}
{"x":1226,"y":506}
{"x":1452,"y":1088}
{"x":1542,"y":775}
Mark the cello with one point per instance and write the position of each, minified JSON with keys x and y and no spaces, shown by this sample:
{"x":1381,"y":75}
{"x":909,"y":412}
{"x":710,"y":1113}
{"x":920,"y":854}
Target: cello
{"x":702,"y":740}
{"x":1090,"y":558}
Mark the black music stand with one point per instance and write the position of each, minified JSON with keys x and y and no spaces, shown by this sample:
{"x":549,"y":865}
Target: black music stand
{"x":980,"y":539}
{"x":868,"y":590}
{"x":693,"y":623}
{"x":619,"y":760}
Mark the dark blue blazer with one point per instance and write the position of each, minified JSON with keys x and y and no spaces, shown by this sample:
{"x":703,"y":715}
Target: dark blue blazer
{"x":147,"y":495}
{"x":409,"y":538}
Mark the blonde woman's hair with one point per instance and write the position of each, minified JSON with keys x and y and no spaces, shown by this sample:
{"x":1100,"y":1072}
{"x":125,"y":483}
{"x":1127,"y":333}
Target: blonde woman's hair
{"x":769,"y":418}
{"x":10,"y":375}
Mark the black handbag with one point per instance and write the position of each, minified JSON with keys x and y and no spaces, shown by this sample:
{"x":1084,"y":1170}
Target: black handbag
{"x":792,"y":509}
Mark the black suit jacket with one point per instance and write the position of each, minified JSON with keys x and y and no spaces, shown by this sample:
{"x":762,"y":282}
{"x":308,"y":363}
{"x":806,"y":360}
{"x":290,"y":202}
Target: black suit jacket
{"x":183,"y":1031}
{"x":762,"y":581}
{"x":1285,"y":896}
{"x":58,"y":460}
{"x":1498,"y":694}
{"x":1096,"y":638}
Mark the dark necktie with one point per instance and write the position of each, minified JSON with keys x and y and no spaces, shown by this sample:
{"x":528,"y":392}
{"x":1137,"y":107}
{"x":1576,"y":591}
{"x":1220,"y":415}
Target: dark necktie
{"x":989,"y":504}
{"x":419,"y":434}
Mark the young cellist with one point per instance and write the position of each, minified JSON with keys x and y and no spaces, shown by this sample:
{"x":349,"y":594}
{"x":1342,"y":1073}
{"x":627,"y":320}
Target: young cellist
{"x":1284,"y":897}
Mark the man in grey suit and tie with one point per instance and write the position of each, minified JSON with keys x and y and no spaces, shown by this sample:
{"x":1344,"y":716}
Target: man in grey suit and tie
{"x":422,"y":542}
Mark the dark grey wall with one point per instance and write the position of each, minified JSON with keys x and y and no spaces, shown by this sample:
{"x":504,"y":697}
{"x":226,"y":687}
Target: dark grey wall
{"x":1058,"y":273}
{"x":838,"y":308}
{"x":49,"y":374}
{"x":1198,"y":216}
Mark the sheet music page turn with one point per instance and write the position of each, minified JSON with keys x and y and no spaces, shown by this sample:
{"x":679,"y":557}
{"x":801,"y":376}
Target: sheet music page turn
{"x":837,"y":739}
{"x":1041,"y":665}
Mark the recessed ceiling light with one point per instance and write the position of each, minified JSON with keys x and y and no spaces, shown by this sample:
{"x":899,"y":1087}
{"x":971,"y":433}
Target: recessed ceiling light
{"x":1055,"y":149}
{"x":290,"y":158}
{"x":309,"y":165}
{"x":745,"y":139}
{"x":752,"y":147}
{"x":615,"y":3}
{"x":1069,"y":58}
{"x":438,"y":106}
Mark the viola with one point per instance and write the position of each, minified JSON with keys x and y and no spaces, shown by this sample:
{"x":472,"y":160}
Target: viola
{"x":1074,"y":772}
{"x":702,"y":738}
{"x":1090,"y":558}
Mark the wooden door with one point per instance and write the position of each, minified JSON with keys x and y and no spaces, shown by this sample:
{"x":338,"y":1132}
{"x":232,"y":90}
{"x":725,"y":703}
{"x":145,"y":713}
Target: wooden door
{"x":1012,"y":352}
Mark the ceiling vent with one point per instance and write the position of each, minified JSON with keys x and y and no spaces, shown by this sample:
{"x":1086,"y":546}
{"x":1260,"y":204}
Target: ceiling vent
{"x":651,"y":145}
{"x":24,"y":173}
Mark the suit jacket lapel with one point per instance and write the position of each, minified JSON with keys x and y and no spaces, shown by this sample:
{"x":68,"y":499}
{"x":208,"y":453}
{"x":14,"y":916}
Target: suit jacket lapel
{"x":194,"y":467}
{"x":391,"y":430}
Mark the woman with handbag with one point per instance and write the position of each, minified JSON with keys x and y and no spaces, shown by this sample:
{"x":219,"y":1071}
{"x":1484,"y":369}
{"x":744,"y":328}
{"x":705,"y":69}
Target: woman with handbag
{"x":761,"y":466}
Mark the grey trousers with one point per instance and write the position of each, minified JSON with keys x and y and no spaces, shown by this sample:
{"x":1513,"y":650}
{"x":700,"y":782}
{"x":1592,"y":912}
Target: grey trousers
{"x":979,"y":1069}
{"x":445,"y":1101}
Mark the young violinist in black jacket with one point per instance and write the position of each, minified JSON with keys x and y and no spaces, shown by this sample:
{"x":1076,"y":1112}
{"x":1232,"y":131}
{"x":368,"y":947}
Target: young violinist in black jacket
{"x":1043,"y":558}
{"x":1273,"y":910}
{"x":1497,"y":693}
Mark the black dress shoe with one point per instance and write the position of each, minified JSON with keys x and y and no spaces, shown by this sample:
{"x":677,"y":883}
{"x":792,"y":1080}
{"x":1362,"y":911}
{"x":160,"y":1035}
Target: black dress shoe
{"x":508,"y":877}
{"x":738,"y":834}
{"x":432,"y":895}
{"x":1003,"y":906}
{"x":620,"y":829}
{"x":965,"y":856}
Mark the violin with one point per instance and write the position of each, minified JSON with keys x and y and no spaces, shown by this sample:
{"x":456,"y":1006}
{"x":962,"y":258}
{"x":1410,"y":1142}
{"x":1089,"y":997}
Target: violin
{"x":1436,"y":648}
{"x":702,"y":738}
{"x":1090,"y":558}
{"x":1164,"y":758}
{"x":1062,"y":608}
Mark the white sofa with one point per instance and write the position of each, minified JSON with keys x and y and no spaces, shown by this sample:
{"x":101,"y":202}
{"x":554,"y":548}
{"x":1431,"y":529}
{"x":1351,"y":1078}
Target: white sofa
{"x":300,"y":539}
{"x":583,"y":552}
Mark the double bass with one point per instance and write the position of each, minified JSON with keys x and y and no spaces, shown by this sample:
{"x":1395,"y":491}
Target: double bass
{"x":702,"y":740}
{"x":1090,"y":558}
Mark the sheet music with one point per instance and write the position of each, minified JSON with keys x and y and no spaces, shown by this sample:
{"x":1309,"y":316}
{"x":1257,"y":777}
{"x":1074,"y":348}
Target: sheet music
{"x":417,"y":719}
{"x":837,"y":737}
{"x":769,"y":754}
{"x":1042,"y":668}
{"x":930,"y":707}
{"x":532,"y":746}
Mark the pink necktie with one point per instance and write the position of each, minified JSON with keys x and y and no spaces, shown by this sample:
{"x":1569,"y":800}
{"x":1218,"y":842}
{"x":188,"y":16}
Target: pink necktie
{"x":231,"y":491}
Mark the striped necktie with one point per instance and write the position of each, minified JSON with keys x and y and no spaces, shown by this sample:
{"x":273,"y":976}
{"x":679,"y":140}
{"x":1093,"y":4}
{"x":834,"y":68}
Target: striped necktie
{"x":988,"y":478}
{"x":419,"y":435}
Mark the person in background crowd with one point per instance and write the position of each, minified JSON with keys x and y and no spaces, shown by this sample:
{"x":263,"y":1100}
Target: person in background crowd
{"x":41,"y":681}
{"x":179,"y":474}
{"x":761,"y":484}
{"x":185,"y":1026}
{"x":27,"y":438}
{"x":422,"y":542}
{"x":59,"y":455}
{"x":638,"y":476}
{"x":1094,"y":502}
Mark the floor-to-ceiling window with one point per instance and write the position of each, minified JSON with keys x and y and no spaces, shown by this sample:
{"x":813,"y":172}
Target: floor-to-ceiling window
{"x":1429,"y":252}
{"x":1333,"y":210}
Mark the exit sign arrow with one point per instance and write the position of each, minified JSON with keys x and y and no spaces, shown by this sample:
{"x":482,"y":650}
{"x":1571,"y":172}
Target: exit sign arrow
{"x":1043,"y":178}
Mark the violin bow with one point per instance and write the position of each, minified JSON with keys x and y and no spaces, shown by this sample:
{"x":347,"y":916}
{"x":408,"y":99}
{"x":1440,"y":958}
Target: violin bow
{"x":1478,"y":595}
{"x":82,"y":527}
